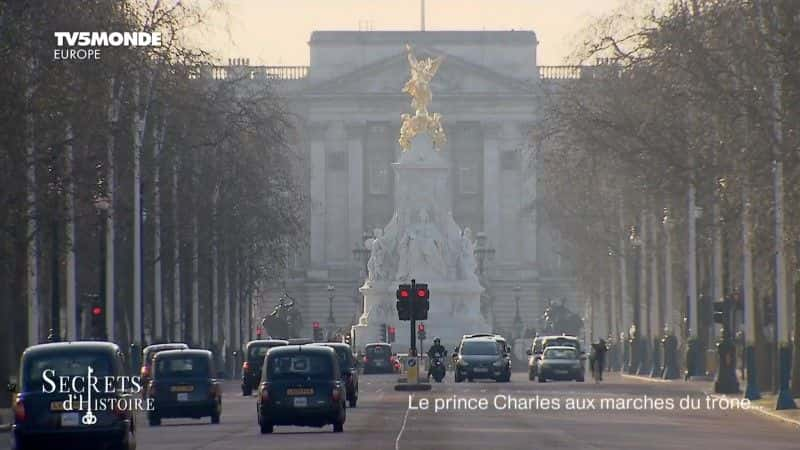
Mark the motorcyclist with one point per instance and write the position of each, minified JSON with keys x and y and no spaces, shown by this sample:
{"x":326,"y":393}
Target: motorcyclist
{"x":436,"y":351}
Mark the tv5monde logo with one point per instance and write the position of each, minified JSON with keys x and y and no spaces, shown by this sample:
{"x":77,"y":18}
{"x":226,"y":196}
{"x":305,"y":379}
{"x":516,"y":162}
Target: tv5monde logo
{"x":89,"y":45}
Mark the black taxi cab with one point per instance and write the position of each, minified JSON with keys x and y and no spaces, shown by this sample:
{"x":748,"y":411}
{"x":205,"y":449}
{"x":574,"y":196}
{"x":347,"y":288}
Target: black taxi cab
{"x":183,"y":385}
{"x":147,"y":360}
{"x":348,"y":367}
{"x":255,"y":351}
{"x":301,"y":385}
{"x":55,"y":406}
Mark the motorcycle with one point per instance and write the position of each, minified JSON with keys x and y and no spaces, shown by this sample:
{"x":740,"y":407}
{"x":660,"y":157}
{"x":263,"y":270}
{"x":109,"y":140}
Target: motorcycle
{"x":438,"y":369}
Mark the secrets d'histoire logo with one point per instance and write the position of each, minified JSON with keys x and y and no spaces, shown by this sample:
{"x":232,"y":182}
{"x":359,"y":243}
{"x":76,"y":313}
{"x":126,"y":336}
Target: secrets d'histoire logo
{"x":88,"y":45}
{"x":89,"y":394}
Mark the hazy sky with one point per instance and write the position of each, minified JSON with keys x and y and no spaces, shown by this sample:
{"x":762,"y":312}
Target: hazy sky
{"x":276,"y":32}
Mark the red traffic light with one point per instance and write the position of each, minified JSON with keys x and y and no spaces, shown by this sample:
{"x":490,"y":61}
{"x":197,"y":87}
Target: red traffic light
{"x":315,"y":325}
{"x":97,"y":310}
{"x":391,"y":329}
{"x":404,"y":293}
{"x":422,"y":293}
{"x":421,"y":327}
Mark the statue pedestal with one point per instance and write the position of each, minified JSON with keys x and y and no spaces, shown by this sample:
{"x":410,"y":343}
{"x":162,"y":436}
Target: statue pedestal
{"x":454,"y":312}
{"x":422,"y":242}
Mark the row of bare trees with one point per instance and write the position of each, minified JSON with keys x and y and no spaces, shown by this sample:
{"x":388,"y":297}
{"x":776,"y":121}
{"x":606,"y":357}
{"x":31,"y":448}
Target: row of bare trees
{"x":683,"y":148}
{"x":135,"y":182}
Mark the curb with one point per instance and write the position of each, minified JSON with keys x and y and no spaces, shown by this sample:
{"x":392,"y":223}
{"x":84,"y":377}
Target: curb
{"x":754,"y":408}
{"x":761,"y":410}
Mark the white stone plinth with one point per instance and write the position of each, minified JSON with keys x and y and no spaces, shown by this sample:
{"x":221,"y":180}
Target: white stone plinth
{"x":454,"y":312}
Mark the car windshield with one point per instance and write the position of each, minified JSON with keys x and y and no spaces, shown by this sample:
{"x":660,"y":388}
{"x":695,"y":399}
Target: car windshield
{"x":182,"y":367}
{"x":559,"y":353}
{"x":150,"y":354}
{"x":378,"y":350}
{"x":288,"y":367}
{"x":65,"y":364}
{"x":479,"y":348}
{"x":561,"y":342}
{"x":258,"y":352}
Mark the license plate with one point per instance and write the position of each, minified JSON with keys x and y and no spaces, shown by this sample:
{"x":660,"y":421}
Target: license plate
{"x":183,"y":397}
{"x":182,"y":388}
{"x":300,"y":402}
{"x":57,"y":406}
{"x":70,"y":419}
{"x":480,"y":369}
{"x":300,"y":391}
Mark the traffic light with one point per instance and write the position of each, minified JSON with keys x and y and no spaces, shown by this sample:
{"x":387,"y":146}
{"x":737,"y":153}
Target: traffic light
{"x":258,"y":332}
{"x":422,"y":301}
{"x":317,"y":331}
{"x":421,"y":331}
{"x":404,"y":299}
{"x":98,"y":322}
{"x":348,"y":339}
{"x":384,"y":333}
{"x":391,"y":334}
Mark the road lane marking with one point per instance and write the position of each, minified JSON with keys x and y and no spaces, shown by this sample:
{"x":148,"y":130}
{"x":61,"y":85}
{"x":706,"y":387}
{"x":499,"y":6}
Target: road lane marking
{"x":402,"y":428}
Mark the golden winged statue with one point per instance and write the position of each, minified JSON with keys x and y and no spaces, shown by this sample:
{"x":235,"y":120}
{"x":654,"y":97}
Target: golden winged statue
{"x":418,"y":87}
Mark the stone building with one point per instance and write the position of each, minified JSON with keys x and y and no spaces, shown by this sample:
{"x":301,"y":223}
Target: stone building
{"x":347,"y":105}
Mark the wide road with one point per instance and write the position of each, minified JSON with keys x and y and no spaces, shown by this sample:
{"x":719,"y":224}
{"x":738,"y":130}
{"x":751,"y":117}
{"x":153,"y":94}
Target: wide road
{"x":383,"y":420}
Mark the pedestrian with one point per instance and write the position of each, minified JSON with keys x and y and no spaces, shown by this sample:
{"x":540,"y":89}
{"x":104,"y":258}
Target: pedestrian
{"x":598,"y":359}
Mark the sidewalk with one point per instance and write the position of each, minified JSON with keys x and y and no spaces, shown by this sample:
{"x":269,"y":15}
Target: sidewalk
{"x":764,"y":406}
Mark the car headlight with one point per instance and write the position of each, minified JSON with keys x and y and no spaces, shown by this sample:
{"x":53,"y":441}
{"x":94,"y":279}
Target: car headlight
{"x":499,"y":363}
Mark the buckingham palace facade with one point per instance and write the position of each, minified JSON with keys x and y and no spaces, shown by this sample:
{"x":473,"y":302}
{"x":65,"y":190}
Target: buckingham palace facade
{"x":347,"y":105}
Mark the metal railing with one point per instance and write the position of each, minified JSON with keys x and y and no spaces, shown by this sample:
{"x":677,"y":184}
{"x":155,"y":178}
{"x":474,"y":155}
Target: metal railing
{"x":259,"y":72}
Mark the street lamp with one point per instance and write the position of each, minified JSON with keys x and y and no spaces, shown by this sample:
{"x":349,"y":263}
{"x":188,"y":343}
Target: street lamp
{"x":517,"y":319}
{"x":634,"y":340}
{"x":331,"y":319}
{"x":669,"y":341}
{"x":102,"y":204}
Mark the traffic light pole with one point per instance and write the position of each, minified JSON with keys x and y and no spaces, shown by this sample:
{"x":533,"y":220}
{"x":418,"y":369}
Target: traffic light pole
{"x":412,"y":351}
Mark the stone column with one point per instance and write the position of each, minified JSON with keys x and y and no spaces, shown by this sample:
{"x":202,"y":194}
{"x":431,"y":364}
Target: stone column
{"x":355,"y":174}
{"x":491,"y":182}
{"x":316,"y":132}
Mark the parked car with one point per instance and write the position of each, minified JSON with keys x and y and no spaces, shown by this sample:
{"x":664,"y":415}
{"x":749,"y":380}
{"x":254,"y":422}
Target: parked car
{"x":255,"y":351}
{"x":378,"y":358}
{"x":301,"y":385}
{"x":560,"y":363}
{"x":147,"y":360}
{"x":43,"y":419}
{"x":183,"y":385}
{"x":349,"y":368}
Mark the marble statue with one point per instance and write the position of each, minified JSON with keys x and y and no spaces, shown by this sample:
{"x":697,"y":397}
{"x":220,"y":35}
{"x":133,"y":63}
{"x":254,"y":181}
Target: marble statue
{"x":467,"y":264}
{"x":421,"y":251}
{"x":375,"y":264}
